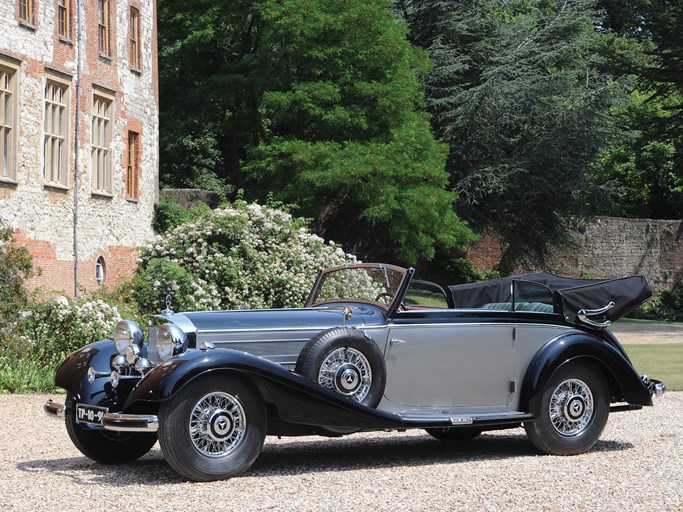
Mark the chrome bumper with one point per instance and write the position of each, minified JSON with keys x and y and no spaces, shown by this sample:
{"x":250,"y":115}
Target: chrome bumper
{"x":130,"y":422}
{"x":116,"y":421}
{"x":54,"y":409}
{"x":655,"y":387}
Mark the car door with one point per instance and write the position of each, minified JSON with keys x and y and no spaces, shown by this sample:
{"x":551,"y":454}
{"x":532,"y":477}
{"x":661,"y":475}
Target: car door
{"x":443,"y":360}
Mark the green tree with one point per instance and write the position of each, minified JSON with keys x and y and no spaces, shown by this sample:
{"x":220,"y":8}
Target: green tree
{"x":209,"y":84}
{"x":318,"y":103}
{"x":648,"y":162}
{"x":645,"y":42}
{"x":517,"y":93}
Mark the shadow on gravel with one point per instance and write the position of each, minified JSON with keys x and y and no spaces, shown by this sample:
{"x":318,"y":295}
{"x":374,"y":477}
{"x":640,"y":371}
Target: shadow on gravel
{"x":305,"y":457}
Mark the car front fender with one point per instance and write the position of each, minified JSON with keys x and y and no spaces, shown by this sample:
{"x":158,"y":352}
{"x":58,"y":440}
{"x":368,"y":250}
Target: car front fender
{"x":72,"y":374}
{"x":295,"y":399}
{"x":624,"y":381}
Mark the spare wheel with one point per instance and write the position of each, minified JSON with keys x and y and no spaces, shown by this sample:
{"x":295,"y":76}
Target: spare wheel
{"x":346,"y":361}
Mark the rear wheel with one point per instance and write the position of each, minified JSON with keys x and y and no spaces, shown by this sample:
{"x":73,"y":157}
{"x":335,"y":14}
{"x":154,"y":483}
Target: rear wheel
{"x":212,"y":429}
{"x":573,"y":411}
{"x":105,"y":446}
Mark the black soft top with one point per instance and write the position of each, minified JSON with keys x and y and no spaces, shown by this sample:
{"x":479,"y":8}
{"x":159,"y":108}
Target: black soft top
{"x":573,"y":298}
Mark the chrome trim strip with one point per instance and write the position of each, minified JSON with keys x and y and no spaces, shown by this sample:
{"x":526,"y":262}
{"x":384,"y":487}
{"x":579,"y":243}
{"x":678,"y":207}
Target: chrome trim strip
{"x":264,"y":340}
{"x":468,"y":419}
{"x":263,"y":329}
{"x":130,"y":422}
{"x":54,"y":409}
{"x":476,"y":324}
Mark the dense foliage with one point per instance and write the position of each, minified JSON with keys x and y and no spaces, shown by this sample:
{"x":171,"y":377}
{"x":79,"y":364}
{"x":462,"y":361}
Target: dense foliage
{"x":517,"y":92}
{"x":240,"y":256}
{"x":317,"y":102}
{"x":552,"y":110}
{"x":666,"y":306}
{"x":644,"y":41}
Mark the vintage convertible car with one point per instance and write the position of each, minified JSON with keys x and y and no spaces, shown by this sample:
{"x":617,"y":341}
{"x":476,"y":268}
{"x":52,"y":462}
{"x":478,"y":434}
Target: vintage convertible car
{"x":373,"y":349}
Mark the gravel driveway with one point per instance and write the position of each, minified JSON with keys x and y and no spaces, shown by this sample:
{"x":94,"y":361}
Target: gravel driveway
{"x":635,"y":466}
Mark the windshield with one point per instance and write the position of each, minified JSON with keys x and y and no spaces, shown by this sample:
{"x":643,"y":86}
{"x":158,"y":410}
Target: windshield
{"x":362,"y":282}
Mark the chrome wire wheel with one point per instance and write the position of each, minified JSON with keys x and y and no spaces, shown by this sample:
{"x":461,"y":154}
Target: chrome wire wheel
{"x":571,"y":407}
{"x":217,"y":424}
{"x":346,"y":371}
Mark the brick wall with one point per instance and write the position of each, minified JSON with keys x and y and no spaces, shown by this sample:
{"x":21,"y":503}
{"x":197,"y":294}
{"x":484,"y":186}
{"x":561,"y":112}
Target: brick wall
{"x":109,"y":226}
{"x":611,"y":247}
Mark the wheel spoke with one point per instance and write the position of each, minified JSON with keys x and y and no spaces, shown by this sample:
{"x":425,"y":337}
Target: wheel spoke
{"x":571,"y":407}
{"x":346,"y":371}
{"x":217,"y":424}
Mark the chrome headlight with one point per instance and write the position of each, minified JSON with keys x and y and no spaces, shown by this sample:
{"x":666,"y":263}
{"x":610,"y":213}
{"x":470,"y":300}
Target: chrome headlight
{"x":171,"y":341}
{"x":127,"y":334}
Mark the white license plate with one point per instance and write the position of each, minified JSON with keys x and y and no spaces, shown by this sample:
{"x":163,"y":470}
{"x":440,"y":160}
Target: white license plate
{"x":89,"y":414}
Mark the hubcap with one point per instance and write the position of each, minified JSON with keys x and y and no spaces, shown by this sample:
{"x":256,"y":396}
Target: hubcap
{"x":217,"y":424}
{"x":346,"y":371}
{"x":571,"y":407}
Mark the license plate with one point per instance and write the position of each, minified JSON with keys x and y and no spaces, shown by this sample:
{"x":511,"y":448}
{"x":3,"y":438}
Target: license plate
{"x":89,"y":414}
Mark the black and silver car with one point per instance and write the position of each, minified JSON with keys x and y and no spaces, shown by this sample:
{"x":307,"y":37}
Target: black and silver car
{"x":373,"y":349}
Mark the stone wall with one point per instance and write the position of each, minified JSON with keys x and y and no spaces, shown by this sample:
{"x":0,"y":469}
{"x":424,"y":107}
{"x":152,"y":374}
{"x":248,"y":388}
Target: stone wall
{"x":611,"y":247}
{"x":110,"y":225}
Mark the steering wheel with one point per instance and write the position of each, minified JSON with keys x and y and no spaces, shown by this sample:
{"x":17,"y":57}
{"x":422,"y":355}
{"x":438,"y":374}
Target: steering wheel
{"x":384,"y":297}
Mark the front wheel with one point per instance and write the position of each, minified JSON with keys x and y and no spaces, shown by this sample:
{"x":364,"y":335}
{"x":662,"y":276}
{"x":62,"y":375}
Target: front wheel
{"x":573,"y":411}
{"x":212,"y":429}
{"x":105,"y":446}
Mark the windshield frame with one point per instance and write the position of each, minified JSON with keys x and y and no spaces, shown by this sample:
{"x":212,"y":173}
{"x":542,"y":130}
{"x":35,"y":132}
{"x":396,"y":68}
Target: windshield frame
{"x":324,"y":275}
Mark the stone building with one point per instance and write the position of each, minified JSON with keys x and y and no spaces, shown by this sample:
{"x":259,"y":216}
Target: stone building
{"x":79,"y":135}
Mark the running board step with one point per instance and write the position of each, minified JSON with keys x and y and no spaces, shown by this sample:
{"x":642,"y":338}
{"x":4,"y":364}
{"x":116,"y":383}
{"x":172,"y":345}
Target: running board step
{"x":434,"y":420}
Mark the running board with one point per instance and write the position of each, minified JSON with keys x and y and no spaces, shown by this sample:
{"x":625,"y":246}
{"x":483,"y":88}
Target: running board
{"x":627,"y":407}
{"x":433,"y":420}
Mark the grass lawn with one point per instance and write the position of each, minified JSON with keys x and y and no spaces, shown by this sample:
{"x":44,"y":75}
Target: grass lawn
{"x":662,"y":361}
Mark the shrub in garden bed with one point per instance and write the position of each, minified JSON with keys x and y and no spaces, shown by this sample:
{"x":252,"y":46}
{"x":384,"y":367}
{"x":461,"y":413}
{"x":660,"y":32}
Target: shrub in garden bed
{"x":240,"y":256}
{"x":666,"y":306}
{"x":35,"y":344}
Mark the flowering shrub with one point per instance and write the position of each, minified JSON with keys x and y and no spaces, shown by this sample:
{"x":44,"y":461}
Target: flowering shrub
{"x":51,"y":330}
{"x":16,"y":265}
{"x":240,"y":256}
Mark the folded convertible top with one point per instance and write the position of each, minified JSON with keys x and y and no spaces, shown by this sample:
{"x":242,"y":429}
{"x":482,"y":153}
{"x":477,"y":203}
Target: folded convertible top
{"x":594,"y":302}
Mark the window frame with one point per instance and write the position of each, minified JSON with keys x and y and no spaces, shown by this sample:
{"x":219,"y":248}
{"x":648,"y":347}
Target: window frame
{"x":62,"y":181}
{"x":64,"y":19}
{"x":101,"y":126}
{"x":28,"y":16}
{"x":134,"y":40}
{"x":103,"y":28}
{"x":133,"y":166}
{"x":9,"y":143}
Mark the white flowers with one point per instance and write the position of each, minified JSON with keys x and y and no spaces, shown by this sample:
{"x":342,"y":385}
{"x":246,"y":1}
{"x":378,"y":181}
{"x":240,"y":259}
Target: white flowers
{"x":245,"y":255}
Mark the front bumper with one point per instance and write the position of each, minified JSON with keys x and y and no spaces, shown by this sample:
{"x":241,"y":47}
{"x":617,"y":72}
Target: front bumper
{"x":115,"y":421}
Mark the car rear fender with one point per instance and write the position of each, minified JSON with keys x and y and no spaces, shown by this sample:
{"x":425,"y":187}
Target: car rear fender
{"x":624,"y":382}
